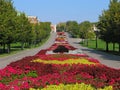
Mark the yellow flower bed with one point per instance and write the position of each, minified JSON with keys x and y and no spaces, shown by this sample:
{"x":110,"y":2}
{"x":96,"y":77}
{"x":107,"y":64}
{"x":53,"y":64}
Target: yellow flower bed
{"x":68,"y":61}
{"x":76,"y":86}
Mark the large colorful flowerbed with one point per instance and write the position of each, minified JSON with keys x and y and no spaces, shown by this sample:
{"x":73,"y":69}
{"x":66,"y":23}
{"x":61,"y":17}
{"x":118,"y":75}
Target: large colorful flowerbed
{"x":59,"y":70}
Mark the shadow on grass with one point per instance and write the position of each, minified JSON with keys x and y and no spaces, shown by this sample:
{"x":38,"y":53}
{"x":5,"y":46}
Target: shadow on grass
{"x":102,"y":49}
{"x":12,"y":51}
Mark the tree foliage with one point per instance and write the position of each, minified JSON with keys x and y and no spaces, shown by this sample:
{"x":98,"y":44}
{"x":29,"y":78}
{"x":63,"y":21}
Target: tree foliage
{"x":73,"y":28}
{"x":109,"y":24}
{"x":15,"y":27}
{"x":61,"y":27}
{"x":7,"y":23}
{"x":86,"y":31}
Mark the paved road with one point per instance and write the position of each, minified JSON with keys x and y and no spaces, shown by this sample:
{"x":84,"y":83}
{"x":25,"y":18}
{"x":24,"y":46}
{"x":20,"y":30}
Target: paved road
{"x":104,"y":58}
{"x":8,"y":59}
{"x":107,"y":59}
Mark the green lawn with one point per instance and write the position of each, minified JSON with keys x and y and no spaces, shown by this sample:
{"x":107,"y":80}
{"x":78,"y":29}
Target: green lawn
{"x":101,"y":46}
{"x":16,"y":47}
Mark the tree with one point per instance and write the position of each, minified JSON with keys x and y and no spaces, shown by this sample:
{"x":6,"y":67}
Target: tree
{"x":114,"y":9}
{"x":42,"y":31}
{"x":7,"y":24}
{"x":73,"y":28}
{"x":15,"y":27}
{"x":85,"y":30}
{"x":105,"y":28}
{"x":23,"y":30}
{"x":109,"y":24}
{"x":61,"y":27}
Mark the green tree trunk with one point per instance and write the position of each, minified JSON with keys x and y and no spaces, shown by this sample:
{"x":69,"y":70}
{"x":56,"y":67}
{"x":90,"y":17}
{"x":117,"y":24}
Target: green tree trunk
{"x":22,"y":46}
{"x":119,"y":47}
{"x":107,"y":47}
{"x":8,"y":48}
{"x":3,"y":48}
{"x":82,"y":40}
{"x":113,"y":46}
{"x":87,"y":42}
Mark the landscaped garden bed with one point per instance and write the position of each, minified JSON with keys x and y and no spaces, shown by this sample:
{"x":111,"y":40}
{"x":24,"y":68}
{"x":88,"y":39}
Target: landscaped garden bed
{"x":59,"y":71}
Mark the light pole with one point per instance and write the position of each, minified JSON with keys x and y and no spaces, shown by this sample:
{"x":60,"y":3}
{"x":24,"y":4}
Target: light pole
{"x":96,"y":34}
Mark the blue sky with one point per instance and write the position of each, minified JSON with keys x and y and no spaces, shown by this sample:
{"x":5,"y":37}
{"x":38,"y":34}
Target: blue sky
{"x":57,"y":11}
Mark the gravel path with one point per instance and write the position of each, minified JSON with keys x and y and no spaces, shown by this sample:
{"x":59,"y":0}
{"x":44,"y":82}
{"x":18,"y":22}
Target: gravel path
{"x":30,"y":52}
{"x":104,"y":58}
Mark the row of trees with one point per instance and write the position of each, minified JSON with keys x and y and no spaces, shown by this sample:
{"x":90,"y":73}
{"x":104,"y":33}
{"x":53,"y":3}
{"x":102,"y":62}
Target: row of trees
{"x":83,"y":30}
{"x":15,"y":27}
{"x":109,"y":24}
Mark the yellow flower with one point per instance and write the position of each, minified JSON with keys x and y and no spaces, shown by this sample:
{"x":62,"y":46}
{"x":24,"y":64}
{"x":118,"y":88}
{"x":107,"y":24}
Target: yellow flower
{"x":76,"y":86}
{"x":68,"y":61}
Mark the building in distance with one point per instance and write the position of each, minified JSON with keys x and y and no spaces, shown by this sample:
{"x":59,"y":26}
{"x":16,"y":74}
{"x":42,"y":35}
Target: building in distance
{"x":53,"y":28}
{"x":33,"y":19}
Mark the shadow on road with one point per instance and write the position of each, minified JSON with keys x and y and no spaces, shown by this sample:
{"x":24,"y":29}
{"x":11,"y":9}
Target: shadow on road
{"x":95,"y":53}
{"x":102,"y":54}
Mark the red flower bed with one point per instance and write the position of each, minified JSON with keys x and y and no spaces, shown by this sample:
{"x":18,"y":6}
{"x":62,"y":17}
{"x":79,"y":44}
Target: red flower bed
{"x":60,"y":33}
{"x":24,"y":74}
{"x":60,"y":39}
{"x":98,"y":76}
{"x":54,"y":46}
{"x":65,"y":57}
{"x":41,"y":52}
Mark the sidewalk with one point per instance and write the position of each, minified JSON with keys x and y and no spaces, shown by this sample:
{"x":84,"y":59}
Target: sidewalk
{"x":104,"y":58}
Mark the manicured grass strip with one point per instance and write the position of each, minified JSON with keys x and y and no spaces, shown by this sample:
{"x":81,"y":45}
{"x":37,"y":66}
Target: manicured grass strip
{"x":101,"y":45}
{"x":16,"y":47}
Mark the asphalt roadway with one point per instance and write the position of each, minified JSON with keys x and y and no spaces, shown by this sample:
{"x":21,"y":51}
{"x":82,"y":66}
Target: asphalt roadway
{"x":104,"y":58}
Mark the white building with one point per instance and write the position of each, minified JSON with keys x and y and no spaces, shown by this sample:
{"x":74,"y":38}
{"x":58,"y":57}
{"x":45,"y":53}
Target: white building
{"x":53,"y":28}
{"x":33,"y":19}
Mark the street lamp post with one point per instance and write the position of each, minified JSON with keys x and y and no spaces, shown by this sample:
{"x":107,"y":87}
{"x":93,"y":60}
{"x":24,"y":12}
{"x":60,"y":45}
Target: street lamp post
{"x":96,"y":34}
